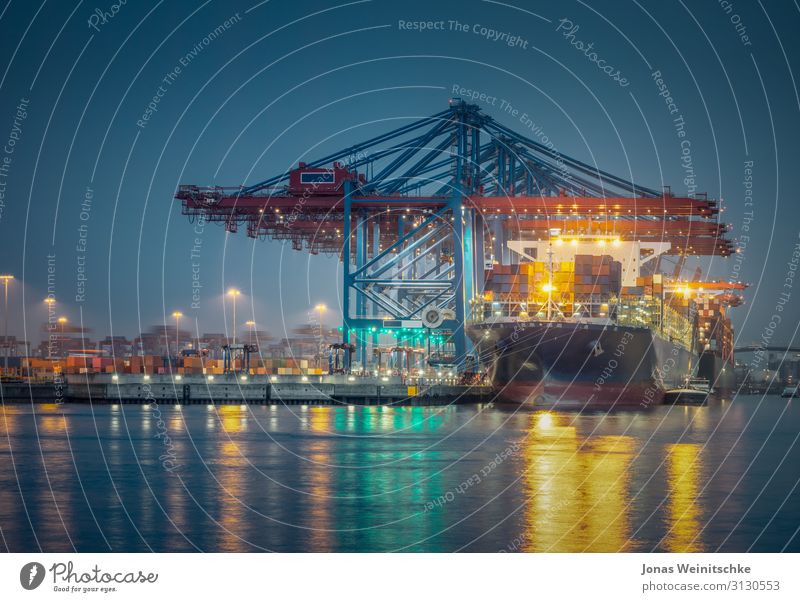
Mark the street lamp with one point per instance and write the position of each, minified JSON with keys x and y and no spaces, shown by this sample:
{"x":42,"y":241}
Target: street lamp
{"x":234,"y":292}
{"x":62,"y":322}
{"x":252,"y":326}
{"x":6,"y":278}
{"x":177,"y":315}
{"x":321,"y":309}
{"x":50,"y":301}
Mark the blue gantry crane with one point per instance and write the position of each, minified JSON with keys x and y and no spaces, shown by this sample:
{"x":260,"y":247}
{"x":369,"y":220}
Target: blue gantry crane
{"x":420,"y":214}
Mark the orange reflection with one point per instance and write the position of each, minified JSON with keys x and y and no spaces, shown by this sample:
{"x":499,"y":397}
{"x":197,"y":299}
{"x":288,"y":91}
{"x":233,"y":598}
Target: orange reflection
{"x":320,"y":479}
{"x":55,"y":491}
{"x":8,"y":424}
{"x":175,"y":422}
{"x":683,"y":482}
{"x":48,"y":407}
{"x":233,"y":418}
{"x":320,"y":421}
{"x":576,"y":489}
{"x":52,"y":425}
{"x":231,"y":511}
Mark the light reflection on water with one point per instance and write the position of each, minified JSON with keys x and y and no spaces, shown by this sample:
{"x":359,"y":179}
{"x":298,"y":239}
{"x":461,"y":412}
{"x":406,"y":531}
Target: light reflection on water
{"x":576,"y":487}
{"x":379,"y":478}
{"x":683,"y":524}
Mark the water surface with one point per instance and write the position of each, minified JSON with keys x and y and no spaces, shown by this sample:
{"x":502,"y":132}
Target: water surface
{"x":473,"y":478}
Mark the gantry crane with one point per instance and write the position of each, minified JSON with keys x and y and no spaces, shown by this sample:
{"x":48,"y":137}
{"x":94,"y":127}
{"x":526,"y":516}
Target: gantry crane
{"x":418,"y":214}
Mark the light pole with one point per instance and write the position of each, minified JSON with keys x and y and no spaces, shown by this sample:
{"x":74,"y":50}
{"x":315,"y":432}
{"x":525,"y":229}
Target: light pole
{"x":252,"y":326}
{"x":62,"y":321}
{"x":234,"y":292}
{"x":320,"y":308}
{"x":6,"y":278}
{"x":177,"y":315}
{"x":50,"y":301}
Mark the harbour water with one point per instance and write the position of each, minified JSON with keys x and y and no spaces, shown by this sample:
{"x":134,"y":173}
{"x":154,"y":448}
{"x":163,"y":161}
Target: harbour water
{"x":469,"y":478}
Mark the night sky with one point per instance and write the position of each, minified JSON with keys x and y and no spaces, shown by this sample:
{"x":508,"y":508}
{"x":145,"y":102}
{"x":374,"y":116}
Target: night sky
{"x":88,"y":175}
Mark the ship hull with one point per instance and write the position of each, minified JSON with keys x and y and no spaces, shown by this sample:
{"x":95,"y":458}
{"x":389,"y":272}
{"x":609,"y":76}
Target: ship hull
{"x":583,"y":365}
{"x":718,"y":372}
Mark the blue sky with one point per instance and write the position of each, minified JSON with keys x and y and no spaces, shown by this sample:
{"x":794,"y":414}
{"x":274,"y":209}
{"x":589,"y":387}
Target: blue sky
{"x":282,"y":81}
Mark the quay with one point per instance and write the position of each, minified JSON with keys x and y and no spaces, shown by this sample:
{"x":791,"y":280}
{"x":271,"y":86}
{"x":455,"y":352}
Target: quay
{"x":232,"y":389}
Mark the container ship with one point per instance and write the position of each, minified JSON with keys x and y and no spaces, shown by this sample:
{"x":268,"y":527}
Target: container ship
{"x":589,"y":322}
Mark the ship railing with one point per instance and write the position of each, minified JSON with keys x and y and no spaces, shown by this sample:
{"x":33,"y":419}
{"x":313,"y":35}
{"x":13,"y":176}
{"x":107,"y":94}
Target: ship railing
{"x":650,"y":312}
